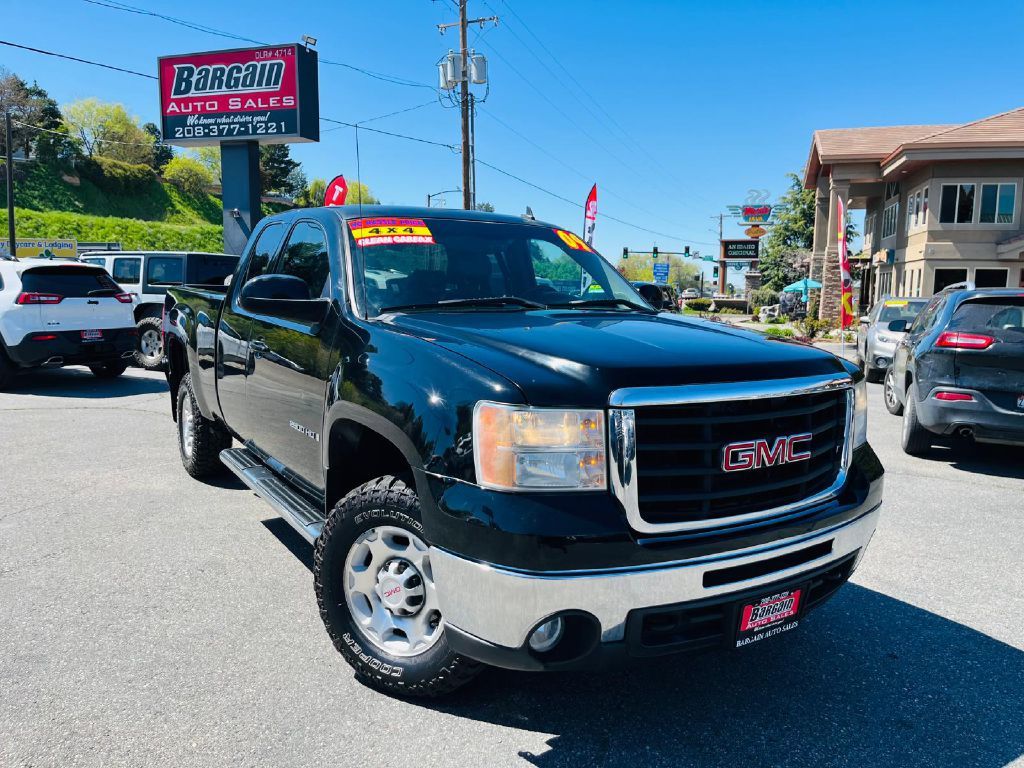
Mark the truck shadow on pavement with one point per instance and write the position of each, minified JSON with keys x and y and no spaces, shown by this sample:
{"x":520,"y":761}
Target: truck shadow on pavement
{"x":80,"y":383}
{"x":868,"y":681}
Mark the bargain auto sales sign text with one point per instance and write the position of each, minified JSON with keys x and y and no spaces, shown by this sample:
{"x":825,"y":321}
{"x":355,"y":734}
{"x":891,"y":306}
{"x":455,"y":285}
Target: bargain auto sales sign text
{"x":248,"y":94}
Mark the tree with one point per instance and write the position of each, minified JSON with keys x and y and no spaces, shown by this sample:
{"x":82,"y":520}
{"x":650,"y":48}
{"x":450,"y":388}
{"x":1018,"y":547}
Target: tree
{"x":188,"y":174}
{"x":276,"y":165}
{"x":39,"y":130}
{"x":793,"y":232}
{"x":313,"y":195}
{"x":105,"y":129}
{"x":162,"y":153}
{"x":296,"y":183}
{"x":486,"y":207}
{"x":641,"y":268}
{"x":360,"y":193}
{"x":209,"y":157}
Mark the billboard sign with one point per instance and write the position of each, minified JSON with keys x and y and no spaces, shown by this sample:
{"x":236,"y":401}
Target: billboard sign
{"x":755,"y":231}
{"x":34,"y":248}
{"x":756,"y":214}
{"x":740,"y":250}
{"x":267,"y":94}
{"x":661,"y":272}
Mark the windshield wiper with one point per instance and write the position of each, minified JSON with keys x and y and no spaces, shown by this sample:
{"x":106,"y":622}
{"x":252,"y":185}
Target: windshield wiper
{"x":586,"y":303}
{"x":488,"y":301}
{"x":103,"y":292}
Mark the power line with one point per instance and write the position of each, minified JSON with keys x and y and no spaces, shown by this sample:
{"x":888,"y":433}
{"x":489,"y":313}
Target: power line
{"x":361,"y":123}
{"x":452,"y":147}
{"x":125,"y":7}
{"x":75,"y":58}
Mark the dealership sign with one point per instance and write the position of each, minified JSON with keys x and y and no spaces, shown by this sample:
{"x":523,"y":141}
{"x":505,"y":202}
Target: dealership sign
{"x":739,"y":250}
{"x":267,"y":95}
{"x":35,"y":248}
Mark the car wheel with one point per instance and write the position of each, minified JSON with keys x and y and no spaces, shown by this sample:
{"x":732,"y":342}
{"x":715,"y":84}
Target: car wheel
{"x":200,"y":440}
{"x":892,"y":402}
{"x":108,"y":370}
{"x":150,"y":353}
{"x":375,"y":589}
{"x":917,"y":440}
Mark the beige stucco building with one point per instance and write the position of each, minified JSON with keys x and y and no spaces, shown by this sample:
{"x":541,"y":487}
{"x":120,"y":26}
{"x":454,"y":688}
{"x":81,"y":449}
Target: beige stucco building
{"x":942,"y":204}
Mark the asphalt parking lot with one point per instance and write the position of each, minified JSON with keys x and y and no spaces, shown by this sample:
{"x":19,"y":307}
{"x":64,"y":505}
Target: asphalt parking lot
{"x":148,"y":619}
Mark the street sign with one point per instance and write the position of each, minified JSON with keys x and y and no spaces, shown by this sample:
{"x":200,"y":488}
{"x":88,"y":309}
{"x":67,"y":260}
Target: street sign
{"x":336,"y":191}
{"x":661,"y":273}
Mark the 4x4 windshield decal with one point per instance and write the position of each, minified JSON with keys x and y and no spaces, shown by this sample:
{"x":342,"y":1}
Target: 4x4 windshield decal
{"x":390,"y":231}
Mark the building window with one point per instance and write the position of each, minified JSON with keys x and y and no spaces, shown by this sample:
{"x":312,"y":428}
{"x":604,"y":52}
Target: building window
{"x":869,"y":233}
{"x":957,"y":204}
{"x":944,"y":277}
{"x":892,"y":189}
{"x":997,"y":203}
{"x":991,"y":278}
{"x":889,"y":219}
{"x":924,"y":208}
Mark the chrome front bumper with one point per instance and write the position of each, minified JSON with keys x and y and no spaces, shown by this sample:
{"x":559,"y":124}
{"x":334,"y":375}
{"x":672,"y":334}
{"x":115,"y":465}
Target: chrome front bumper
{"x":502,"y":606}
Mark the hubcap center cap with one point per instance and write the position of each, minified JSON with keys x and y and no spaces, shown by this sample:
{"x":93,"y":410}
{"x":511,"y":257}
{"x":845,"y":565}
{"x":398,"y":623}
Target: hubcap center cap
{"x":400,"y":587}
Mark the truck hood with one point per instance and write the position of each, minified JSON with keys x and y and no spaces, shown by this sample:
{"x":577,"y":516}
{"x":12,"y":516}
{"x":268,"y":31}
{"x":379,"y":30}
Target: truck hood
{"x":579,"y":357}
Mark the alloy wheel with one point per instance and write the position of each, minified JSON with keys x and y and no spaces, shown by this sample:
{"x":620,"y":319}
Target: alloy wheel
{"x":151,"y":345}
{"x":186,"y":423}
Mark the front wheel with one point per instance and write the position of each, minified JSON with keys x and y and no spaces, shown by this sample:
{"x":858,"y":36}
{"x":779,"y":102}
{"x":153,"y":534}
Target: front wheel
{"x":108,"y":370}
{"x":375,"y":588}
{"x":892,"y":401}
{"x":150,"y":353}
{"x":200,"y":440}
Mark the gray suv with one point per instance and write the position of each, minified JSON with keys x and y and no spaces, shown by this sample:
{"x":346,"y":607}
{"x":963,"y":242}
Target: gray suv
{"x":876,"y":344}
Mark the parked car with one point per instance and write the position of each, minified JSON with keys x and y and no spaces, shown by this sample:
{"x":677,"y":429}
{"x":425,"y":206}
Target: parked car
{"x":63,"y":313}
{"x":495,"y":471}
{"x":691,"y":293}
{"x":661,"y":297}
{"x":875,"y":342}
{"x":148,"y":275}
{"x":959,"y":370}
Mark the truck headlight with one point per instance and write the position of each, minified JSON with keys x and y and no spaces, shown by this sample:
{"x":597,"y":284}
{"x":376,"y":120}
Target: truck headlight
{"x":516,"y":447}
{"x":860,"y":413}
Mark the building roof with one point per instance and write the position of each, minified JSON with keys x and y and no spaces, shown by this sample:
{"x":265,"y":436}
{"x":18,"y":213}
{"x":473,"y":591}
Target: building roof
{"x":883,"y":144}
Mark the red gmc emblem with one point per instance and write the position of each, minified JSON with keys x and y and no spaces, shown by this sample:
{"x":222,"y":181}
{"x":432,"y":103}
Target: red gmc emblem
{"x":755,"y":454}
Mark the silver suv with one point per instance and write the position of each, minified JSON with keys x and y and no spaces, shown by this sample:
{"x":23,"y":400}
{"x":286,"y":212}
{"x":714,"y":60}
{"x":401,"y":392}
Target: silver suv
{"x":875,"y":342}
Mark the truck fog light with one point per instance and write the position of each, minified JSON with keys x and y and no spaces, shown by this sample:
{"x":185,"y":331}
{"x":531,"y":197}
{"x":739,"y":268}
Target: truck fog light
{"x":546,"y":636}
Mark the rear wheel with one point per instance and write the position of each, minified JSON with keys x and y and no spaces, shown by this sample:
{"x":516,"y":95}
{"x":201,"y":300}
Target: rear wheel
{"x":150,"y":353}
{"x":917,"y":441}
{"x":6,"y":371}
{"x":892,"y":401}
{"x":108,"y":370}
{"x":200,"y":440}
{"x":375,"y":588}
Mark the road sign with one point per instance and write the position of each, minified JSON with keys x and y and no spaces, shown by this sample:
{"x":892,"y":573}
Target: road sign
{"x":336,"y":191}
{"x":661,"y":273}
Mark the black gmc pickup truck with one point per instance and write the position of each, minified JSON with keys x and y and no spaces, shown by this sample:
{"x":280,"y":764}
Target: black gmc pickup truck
{"x":504,"y":456}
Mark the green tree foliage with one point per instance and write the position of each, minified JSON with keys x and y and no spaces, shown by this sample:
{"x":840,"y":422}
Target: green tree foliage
{"x":210,"y":158}
{"x":188,"y":174}
{"x":276,"y":165}
{"x":102,"y":128}
{"x":43,"y":135}
{"x":162,"y":153}
{"x":115,"y":177}
{"x":792,"y":233}
{"x":360,"y":193}
{"x":485,"y":207}
{"x":641,"y":268}
{"x":313,"y":195}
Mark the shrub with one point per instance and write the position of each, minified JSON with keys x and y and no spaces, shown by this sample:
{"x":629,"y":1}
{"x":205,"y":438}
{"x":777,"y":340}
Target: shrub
{"x":777,"y":320}
{"x":115,"y":177}
{"x":698,"y":305}
{"x":785,"y":333}
{"x":810,"y":327}
{"x":730,"y":311}
{"x":764,"y":297}
{"x":188,"y":174}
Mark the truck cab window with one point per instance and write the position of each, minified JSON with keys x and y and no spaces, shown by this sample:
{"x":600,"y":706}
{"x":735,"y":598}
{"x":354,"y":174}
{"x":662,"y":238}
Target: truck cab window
{"x":305,"y":256}
{"x":263,"y":251}
{"x":127,"y":270}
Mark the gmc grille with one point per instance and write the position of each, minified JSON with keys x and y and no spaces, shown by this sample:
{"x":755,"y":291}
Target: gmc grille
{"x":679,"y":451}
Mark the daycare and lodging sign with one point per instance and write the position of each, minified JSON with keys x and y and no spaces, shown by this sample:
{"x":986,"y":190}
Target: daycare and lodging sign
{"x":265,"y":94}
{"x":35,"y":248}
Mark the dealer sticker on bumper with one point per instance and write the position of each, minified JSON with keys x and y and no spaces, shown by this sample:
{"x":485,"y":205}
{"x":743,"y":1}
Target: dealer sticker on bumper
{"x":769,"y":616}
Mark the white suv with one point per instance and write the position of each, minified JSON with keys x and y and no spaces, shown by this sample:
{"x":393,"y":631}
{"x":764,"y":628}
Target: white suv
{"x":56,"y":313}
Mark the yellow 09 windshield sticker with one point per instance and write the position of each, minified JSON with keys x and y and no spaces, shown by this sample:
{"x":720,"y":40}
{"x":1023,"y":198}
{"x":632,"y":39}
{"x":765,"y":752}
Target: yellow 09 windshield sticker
{"x":573,"y":241}
{"x":390,"y":231}
{"x":892,"y":303}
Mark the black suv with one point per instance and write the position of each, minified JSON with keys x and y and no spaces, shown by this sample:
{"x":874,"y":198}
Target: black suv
{"x":960,"y":368}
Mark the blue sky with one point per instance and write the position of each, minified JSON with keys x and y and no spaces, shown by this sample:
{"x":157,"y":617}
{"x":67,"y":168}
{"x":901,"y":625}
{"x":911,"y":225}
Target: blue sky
{"x":706,"y":100}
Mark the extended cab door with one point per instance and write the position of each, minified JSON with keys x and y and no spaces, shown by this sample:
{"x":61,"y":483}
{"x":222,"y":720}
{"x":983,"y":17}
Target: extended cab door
{"x":286,"y":390}
{"x":234,"y":358}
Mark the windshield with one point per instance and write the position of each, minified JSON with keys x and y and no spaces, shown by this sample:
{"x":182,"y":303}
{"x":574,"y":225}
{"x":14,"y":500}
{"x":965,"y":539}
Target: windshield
{"x":900,"y":309}
{"x":412,"y":264}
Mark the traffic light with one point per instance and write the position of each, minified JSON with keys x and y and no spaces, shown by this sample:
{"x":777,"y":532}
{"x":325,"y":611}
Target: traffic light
{"x":625,"y":251}
{"x":715,"y":274}
{"x":655,"y":251}
{"x":686,"y":251}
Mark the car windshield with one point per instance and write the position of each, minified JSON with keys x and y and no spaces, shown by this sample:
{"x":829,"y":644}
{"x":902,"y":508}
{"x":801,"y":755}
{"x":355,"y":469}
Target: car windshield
{"x":410,"y":264}
{"x":900,"y":309}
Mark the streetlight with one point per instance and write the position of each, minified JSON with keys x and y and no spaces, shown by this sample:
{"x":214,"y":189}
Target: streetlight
{"x":438,"y":194}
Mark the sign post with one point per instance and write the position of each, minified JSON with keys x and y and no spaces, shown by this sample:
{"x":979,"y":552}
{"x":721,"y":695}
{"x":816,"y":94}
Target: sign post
{"x":239,"y":99}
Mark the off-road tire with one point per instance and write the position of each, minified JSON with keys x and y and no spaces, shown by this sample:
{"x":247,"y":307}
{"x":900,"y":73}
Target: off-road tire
{"x":108,"y":370}
{"x":437,"y":670}
{"x":892,"y":402}
{"x":149,"y":324}
{"x":6,"y":371}
{"x":916,"y":440}
{"x":208,"y":437}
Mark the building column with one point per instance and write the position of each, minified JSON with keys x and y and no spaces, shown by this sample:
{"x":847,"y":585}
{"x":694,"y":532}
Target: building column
{"x":831,"y":279}
{"x":820,"y":229}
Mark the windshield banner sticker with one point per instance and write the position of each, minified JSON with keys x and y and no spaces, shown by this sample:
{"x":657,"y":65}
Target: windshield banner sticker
{"x":390,"y":231}
{"x":573,"y":241}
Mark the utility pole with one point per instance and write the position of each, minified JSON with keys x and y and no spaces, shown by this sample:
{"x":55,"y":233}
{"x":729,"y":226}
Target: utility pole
{"x":12,"y":248}
{"x":469,"y":67}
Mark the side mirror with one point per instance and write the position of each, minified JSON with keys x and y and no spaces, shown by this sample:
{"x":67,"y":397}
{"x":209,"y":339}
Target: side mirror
{"x":864,"y":320}
{"x":283,"y":296}
{"x":898,"y":326}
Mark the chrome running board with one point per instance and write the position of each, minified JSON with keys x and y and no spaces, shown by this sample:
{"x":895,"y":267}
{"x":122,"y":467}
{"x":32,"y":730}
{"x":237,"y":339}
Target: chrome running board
{"x":297,"y":511}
